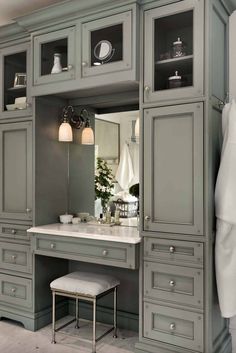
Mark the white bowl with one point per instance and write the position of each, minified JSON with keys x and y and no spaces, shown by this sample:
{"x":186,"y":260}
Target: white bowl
{"x":21,"y":105}
{"x":11,"y":107}
{"x":66,"y":218}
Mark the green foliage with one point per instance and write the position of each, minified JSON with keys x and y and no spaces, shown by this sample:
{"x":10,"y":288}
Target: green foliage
{"x":103,"y":182}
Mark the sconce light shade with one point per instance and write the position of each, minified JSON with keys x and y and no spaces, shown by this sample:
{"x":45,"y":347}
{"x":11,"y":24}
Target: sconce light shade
{"x":65,"y":132}
{"x":136,"y":128}
{"x":87,"y":136}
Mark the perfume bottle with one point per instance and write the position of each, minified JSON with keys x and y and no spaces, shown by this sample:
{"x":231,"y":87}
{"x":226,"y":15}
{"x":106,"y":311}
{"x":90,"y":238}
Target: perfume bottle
{"x":108,"y":215}
{"x":57,"y":68}
{"x":117,"y":215}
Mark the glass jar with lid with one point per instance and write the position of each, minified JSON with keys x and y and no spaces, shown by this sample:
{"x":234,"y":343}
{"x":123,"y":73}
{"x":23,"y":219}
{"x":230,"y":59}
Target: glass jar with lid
{"x":178,"y":48}
{"x":175,"y":81}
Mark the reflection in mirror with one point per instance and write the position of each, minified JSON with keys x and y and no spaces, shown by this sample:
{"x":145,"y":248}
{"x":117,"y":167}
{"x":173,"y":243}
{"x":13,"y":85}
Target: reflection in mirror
{"x":117,"y":166}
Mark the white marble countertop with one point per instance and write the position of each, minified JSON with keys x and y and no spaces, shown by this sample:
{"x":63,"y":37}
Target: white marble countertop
{"x":119,"y":234}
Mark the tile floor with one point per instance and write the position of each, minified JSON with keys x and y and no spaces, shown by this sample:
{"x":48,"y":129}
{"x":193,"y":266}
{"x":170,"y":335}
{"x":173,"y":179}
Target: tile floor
{"x":14,"y":338}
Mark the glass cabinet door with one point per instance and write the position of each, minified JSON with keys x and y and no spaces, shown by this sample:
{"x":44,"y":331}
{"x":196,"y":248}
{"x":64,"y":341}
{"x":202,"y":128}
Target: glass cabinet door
{"x":173,"y":51}
{"x":54,"y":56}
{"x":106,"y":45}
{"x":15,"y":77}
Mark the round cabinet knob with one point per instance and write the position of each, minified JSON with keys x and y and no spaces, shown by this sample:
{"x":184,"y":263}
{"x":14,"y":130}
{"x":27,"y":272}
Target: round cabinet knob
{"x":171,"y":249}
{"x":52,"y":246}
{"x":147,"y":89}
{"x":105,"y":252}
{"x":172,"y":283}
{"x":84,"y":63}
{"x":28,"y":105}
{"x":172,"y":326}
{"x":13,"y":231}
{"x":13,"y":290}
{"x":70,"y":67}
{"x":13,"y":257}
{"x":147,"y":218}
{"x":28,"y":210}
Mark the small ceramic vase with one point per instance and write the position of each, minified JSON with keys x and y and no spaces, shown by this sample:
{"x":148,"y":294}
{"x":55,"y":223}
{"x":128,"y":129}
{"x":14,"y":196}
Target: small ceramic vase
{"x":57,"y":68}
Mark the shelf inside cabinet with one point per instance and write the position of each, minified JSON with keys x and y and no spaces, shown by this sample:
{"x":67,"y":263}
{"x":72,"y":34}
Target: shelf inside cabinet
{"x":175,"y":60}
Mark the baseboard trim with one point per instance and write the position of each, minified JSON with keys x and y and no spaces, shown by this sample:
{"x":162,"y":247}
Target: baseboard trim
{"x":125,"y":320}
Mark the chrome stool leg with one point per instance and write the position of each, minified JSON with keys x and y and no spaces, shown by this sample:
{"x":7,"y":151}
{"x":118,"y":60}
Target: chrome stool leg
{"x":115,"y":313}
{"x":77,"y":313}
{"x":94,"y":326}
{"x":53,"y":316}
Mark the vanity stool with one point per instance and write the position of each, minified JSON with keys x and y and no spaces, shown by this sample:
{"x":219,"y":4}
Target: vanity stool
{"x":85,"y":286}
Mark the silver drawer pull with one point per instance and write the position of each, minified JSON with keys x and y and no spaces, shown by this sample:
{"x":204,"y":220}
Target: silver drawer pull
{"x":52,"y":246}
{"x":172,"y":326}
{"x":105,"y":252}
{"x":13,"y":290}
{"x":13,"y":231}
{"x":84,"y":63}
{"x":147,"y":218}
{"x":172,"y":283}
{"x":70,"y":67}
{"x":147,"y":89}
{"x":13,"y":257}
{"x":28,"y":210}
{"x":171,"y":249}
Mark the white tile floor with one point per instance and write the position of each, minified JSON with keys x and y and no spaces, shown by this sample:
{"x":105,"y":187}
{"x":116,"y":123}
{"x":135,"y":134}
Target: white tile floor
{"x":14,"y":338}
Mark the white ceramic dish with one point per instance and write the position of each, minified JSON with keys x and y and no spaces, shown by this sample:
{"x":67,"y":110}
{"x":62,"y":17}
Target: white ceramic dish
{"x":11,"y":107}
{"x":66,"y":218}
{"x":20,"y":100}
{"x":20,"y":106}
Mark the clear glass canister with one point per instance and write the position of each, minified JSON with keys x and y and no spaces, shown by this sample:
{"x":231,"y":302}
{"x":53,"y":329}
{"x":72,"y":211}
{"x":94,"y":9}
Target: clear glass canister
{"x":175,"y":81}
{"x":178,"y":48}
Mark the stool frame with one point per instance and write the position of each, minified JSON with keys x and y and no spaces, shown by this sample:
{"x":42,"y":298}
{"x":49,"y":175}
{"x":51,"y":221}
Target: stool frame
{"x":89,"y":298}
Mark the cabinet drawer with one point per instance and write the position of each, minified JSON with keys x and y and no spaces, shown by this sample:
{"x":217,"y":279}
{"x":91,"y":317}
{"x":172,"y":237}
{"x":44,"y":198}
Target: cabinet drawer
{"x":173,"y":250}
{"x":173,"y":326}
{"x":14,"y":231}
{"x":89,"y":250}
{"x":16,"y":291}
{"x":170,"y":283}
{"x":15,"y":257}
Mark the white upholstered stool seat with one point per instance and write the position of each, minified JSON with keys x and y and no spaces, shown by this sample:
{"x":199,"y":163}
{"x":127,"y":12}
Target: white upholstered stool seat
{"x":84,"y":286}
{"x":83,"y":283}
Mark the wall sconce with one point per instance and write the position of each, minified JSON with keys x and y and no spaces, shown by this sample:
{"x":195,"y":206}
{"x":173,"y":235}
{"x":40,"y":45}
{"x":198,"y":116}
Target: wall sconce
{"x":69,"y":120}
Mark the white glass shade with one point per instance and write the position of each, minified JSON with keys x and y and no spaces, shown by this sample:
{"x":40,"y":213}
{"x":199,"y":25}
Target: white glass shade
{"x":87,"y":136}
{"x":136,"y":128}
{"x":65,"y":132}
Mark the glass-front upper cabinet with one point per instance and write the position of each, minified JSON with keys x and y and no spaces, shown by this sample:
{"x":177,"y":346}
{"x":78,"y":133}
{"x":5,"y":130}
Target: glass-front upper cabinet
{"x":54,"y":56}
{"x":173,"y":51}
{"x":106,"y":45}
{"x":15,"y":79}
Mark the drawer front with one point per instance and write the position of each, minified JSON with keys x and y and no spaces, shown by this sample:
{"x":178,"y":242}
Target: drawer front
{"x":103,"y":252}
{"x":15,"y":257}
{"x":14,"y":231}
{"x":173,"y":326}
{"x":16,"y":291}
{"x":175,"y":284}
{"x":174,"y":251}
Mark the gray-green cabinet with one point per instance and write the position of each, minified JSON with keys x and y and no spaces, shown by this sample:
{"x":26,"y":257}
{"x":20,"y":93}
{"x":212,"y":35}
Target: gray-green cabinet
{"x":173,"y":169}
{"x":57,"y":47}
{"x":107,"y":45}
{"x":15,"y":78}
{"x":173,"y":51}
{"x":16,"y":176}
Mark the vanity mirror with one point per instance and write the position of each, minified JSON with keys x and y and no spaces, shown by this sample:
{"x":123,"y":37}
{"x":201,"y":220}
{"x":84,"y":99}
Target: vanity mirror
{"x":117,"y":153}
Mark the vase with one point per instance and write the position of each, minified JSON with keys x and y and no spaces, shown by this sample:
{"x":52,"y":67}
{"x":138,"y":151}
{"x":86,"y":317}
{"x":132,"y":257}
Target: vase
{"x":57,"y":68}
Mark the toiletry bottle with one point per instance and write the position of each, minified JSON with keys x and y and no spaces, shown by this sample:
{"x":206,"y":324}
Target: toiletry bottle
{"x":117,"y":215}
{"x":57,"y":64}
{"x":108,"y":215}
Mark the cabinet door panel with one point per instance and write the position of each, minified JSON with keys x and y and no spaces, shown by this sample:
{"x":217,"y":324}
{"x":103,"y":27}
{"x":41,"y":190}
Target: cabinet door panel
{"x":173,"y":169}
{"x":16,"y":171}
{"x":173,"y":48}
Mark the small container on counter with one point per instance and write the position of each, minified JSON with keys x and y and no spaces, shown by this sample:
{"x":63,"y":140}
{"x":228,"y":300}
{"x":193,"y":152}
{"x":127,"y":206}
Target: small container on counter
{"x":76,"y":220}
{"x":108,"y":215}
{"x":66,"y":218}
{"x":117,"y":215}
{"x":175,"y":81}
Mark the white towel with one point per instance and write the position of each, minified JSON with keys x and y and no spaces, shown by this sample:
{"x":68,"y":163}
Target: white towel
{"x":125,"y":172}
{"x":225,"y":205}
{"x":134,"y":154}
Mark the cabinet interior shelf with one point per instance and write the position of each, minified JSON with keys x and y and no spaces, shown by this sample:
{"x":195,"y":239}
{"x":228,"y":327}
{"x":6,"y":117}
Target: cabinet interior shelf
{"x":174,"y":60}
{"x":19,"y":88}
